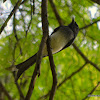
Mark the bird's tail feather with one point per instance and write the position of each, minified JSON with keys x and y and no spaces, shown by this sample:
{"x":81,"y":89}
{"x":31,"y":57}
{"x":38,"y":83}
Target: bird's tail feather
{"x":25,"y":65}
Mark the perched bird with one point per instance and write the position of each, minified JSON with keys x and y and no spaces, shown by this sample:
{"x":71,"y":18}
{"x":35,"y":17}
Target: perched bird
{"x":61,"y":38}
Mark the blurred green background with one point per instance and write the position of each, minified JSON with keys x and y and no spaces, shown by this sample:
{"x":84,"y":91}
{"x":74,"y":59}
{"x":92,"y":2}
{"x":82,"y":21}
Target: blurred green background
{"x":26,"y":26}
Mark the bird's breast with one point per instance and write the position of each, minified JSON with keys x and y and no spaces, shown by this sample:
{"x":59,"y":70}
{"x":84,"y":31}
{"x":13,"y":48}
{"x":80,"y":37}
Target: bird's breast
{"x":57,"y":42}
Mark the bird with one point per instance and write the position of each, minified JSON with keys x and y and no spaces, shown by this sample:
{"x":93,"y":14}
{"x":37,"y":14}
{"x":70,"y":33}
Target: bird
{"x":61,"y":38}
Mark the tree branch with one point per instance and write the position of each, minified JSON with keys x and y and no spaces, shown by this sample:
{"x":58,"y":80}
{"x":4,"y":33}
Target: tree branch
{"x":56,"y":12}
{"x":5,"y":91}
{"x":32,"y":83}
{"x":39,"y":54}
{"x":85,"y":58}
{"x":89,"y":24}
{"x":12,"y":12}
{"x":52,"y":65}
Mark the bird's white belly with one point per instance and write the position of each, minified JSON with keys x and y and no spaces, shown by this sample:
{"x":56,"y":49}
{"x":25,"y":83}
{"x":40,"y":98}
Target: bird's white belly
{"x":57,"y":42}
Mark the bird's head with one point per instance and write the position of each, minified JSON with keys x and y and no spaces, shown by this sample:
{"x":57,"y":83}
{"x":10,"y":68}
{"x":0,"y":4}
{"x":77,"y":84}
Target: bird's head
{"x":74,"y":27}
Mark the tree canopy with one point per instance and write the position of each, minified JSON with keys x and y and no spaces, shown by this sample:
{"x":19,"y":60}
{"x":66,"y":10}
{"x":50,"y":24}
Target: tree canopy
{"x":77,"y":67}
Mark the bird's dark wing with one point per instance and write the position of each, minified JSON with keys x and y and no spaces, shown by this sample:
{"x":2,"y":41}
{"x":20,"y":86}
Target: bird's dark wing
{"x":55,"y":30}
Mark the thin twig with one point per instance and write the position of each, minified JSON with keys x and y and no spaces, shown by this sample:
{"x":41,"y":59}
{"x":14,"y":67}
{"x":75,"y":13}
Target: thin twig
{"x":19,"y":88}
{"x":91,"y":91}
{"x":5,"y":91}
{"x":13,"y":72}
{"x":56,"y":12}
{"x":86,"y":26}
{"x":23,"y":2}
{"x":15,"y":33}
{"x":10,"y":15}
{"x":33,"y":7}
{"x":44,"y":96}
{"x":31,"y":18}
{"x":14,"y":26}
